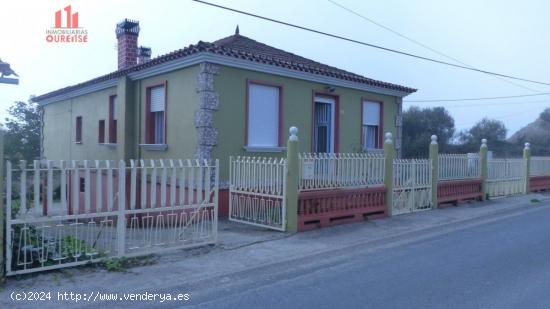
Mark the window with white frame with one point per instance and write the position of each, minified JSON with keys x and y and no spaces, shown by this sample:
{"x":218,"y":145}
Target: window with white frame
{"x":371,"y":125}
{"x":263,"y":115}
{"x":155,"y":128}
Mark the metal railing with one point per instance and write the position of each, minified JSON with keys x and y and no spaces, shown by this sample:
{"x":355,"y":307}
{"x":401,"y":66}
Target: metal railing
{"x":540,"y":166}
{"x":61,"y":214}
{"x":340,"y":170}
{"x":256,"y":192}
{"x":459,"y":166}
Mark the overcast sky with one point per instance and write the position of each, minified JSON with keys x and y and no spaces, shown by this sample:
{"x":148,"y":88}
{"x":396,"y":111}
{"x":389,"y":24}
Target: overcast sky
{"x":509,"y":37}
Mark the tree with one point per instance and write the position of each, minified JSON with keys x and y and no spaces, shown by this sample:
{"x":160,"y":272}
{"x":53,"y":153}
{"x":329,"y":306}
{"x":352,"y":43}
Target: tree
{"x":420,"y":124}
{"x":22,"y":136}
{"x":492,"y":130}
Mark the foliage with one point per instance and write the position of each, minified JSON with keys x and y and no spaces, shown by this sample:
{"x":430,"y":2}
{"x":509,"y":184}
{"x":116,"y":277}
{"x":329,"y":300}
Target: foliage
{"x":123,"y":263}
{"x":490,"y":129}
{"x":420,"y":124}
{"x":22,"y":137}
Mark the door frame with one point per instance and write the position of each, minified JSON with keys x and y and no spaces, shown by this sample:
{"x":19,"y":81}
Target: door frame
{"x":336,"y":117}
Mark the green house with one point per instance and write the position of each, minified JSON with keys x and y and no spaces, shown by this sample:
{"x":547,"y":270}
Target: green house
{"x":232,"y":97}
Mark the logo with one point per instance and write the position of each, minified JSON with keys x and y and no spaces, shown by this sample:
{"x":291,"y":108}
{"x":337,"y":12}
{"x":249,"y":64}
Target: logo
{"x":70,"y":31}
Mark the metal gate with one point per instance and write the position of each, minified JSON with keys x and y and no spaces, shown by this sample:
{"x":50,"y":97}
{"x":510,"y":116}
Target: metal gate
{"x":256,"y":192}
{"x":506,"y":177}
{"x":60,"y":216}
{"x":412,"y":187}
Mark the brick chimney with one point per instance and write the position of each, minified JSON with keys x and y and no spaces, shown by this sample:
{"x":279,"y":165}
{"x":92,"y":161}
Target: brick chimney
{"x":127,"y":32}
{"x":144,"y":54}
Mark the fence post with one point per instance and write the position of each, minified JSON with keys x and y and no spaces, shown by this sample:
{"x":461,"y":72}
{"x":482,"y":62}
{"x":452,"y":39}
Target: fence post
{"x":484,"y":171}
{"x":121,"y":222}
{"x":2,"y":210}
{"x":389,"y":154}
{"x":434,"y":157}
{"x":291,"y":198}
{"x":527,"y":159}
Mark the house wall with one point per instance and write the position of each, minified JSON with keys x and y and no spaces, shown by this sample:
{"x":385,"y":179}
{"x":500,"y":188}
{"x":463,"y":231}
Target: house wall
{"x":59,"y":125}
{"x":230,"y":119}
{"x":180,"y":111}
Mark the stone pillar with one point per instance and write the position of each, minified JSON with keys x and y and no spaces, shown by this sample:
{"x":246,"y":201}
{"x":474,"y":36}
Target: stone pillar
{"x":483,"y":162}
{"x":434,"y":157}
{"x":389,"y":154}
{"x":207,"y":135}
{"x":527,"y":159}
{"x":399,"y":128}
{"x":292,"y":166}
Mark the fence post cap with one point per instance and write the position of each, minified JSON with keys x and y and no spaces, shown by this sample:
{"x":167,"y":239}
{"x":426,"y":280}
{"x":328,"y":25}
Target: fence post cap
{"x":434,"y":139}
{"x":388,"y":138}
{"x":484,"y":142}
{"x":293,"y":131}
{"x":527,"y":145}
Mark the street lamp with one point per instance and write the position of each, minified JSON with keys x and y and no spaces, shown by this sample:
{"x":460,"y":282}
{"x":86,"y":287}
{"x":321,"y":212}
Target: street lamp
{"x":5,"y":70}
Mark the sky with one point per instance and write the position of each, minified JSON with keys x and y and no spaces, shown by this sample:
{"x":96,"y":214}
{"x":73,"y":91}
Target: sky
{"x":509,"y":37}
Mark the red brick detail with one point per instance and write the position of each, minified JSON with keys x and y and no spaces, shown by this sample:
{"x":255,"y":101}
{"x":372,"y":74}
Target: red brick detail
{"x":127,"y":51}
{"x":539,"y":183}
{"x":454,"y":191}
{"x":323,"y":208}
{"x":223,"y":203}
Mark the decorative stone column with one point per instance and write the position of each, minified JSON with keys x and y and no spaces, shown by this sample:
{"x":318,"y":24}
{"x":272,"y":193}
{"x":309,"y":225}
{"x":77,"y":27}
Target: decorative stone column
{"x":389,"y":154}
{"x":483,"y":150}
{"x":207,"y":135}
{"x":434,"y":157}
{"x":527,"y":160}
{"x":399,"y":127}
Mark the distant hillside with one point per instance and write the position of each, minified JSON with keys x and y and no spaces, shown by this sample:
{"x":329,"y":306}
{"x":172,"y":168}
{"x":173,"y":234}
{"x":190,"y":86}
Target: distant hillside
{"x":537,"y":132}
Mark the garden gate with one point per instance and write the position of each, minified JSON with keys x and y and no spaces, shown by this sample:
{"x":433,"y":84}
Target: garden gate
{"x":412,"y":187}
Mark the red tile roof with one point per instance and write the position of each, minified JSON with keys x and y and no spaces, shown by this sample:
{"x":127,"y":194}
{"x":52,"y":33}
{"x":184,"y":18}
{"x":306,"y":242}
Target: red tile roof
{"x":241,"y":47}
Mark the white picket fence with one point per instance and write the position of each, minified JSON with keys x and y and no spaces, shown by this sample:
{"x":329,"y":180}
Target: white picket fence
{"x":256,"y":191}
{"x":459,"y":166}
{"x":412,"y":185}
{"x":540,"y":166}
{"x":61,"y":215}
{"x":340,"y":170}
{"x":505,"y":177}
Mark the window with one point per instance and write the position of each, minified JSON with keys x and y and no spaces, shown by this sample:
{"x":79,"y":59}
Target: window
{"x":101,"y":132}
{"x":82,"y":185}
{"x":78,"y":137}
{"x":371,"y":125}
{"x":264,"y":103}
{"x":112,"y":119}
{"x":155,"y":117}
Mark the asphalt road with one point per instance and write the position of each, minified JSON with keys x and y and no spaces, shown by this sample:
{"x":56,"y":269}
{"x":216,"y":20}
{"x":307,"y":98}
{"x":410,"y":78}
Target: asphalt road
{"x":499,"y":263}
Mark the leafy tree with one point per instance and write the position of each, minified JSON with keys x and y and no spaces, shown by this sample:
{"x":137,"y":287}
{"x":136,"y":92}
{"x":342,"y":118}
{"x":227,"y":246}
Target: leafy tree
{"x":490,"y":129}
{"x":22,"y":136}
{"x":495,"y":133}
{"x":418,"y":127}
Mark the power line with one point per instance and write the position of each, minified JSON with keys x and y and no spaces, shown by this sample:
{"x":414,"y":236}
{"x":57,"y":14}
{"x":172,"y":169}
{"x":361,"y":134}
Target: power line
{"x":373,"y":45}
{"x":496,"y":103}
{"x":481,"y":98}
{"x":420,"y":43}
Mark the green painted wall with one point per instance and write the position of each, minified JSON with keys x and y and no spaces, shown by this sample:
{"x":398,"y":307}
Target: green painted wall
{"x":59,"y":123}
{"x":182,"y":103}
{"x":230,"y":119}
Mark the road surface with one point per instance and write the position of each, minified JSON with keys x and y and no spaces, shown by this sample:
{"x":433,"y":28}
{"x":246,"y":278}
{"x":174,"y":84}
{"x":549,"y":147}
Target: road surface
{"x":503,"y":262}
